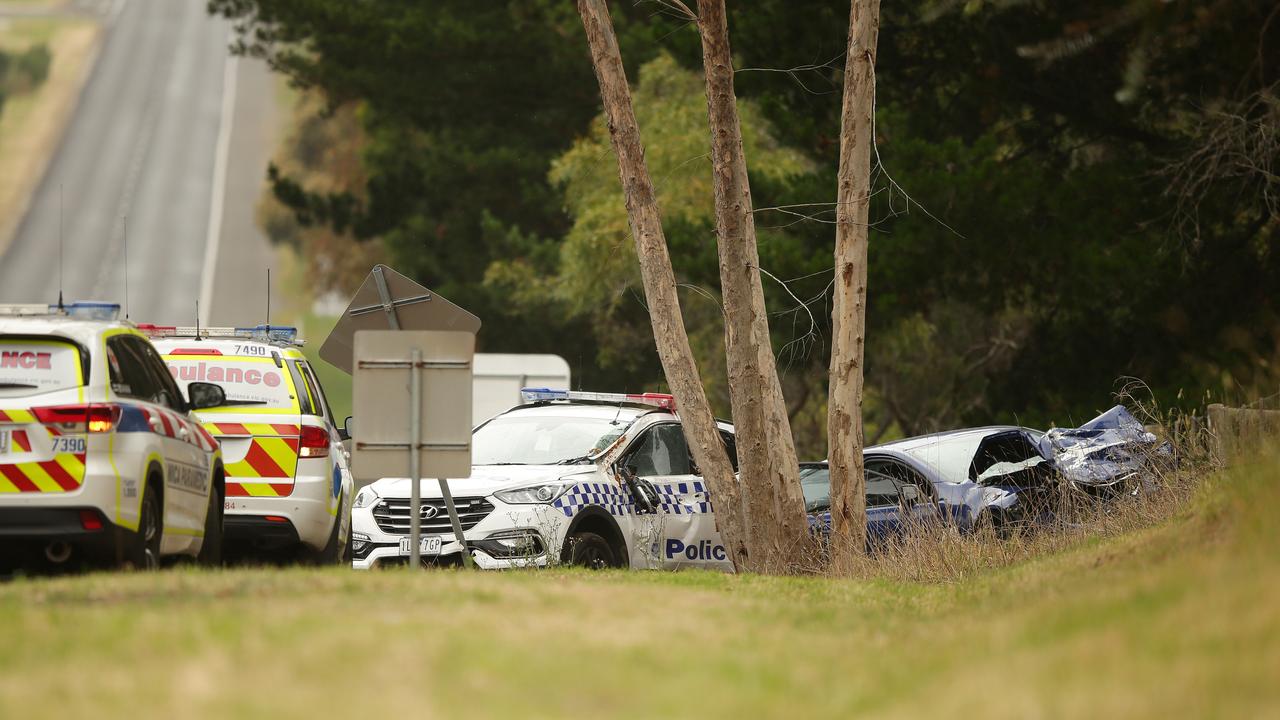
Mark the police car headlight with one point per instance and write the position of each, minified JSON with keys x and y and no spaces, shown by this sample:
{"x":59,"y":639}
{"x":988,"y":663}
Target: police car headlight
{"x":365,"y":498}
{"x":531,"y":495}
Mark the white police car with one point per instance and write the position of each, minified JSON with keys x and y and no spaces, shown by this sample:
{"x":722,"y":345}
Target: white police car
{"x":289,"y":487}
{"x":101,"y":461}
{"x":596,"y":479}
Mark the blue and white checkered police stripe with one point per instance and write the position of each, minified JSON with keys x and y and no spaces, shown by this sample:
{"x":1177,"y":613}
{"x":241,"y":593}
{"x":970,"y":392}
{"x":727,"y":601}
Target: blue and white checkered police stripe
{"x":617,"y":500}
{"x":613,"y":498}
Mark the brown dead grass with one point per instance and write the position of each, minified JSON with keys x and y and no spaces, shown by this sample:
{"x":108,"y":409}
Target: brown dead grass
{"x":31,"y":126}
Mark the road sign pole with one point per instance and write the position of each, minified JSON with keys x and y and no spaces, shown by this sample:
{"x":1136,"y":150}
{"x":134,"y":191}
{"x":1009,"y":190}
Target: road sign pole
{"x":453,"y":518}
{"x":415,"y":476}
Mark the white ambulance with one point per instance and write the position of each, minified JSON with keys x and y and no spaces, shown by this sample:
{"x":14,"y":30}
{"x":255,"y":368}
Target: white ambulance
{"x":101,"y":461}
{"x":595,"y":479}
{"x":289,"y":485}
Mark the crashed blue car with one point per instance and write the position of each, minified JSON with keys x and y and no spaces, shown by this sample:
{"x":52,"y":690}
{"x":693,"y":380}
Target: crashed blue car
{"x":1007,"y":475}
{"x":896,"y":503}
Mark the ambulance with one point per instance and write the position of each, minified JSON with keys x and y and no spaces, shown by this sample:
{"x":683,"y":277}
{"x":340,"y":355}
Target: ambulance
{"x":289,"y":485}
{"x":101,"y":459}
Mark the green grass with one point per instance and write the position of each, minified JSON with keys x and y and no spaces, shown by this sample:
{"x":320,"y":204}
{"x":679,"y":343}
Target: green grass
{"x":1178,"y":620}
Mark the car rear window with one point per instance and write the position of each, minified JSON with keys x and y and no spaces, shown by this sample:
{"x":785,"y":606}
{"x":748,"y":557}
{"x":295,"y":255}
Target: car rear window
{"x":251,"y":383}
{"x":29,"y":366}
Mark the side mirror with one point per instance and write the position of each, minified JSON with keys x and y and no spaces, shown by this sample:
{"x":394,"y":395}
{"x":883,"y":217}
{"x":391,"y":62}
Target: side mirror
{"x":910,"y":494}
{"x":205,"y":395}
{"x":348,"y":429}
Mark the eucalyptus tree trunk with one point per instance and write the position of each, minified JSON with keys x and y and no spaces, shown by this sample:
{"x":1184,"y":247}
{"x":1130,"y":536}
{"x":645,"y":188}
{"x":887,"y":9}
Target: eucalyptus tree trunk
{"x":659,"y":280}
{"x":849,"y":311}
{"x":766,"y":451}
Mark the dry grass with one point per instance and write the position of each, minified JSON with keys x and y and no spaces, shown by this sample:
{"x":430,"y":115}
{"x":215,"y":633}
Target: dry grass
{"x":1170,"y":619}
{"x":31,"y":125}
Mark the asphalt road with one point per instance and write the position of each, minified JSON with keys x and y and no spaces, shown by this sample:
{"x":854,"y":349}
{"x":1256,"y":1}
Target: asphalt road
{"x":153,"y":140}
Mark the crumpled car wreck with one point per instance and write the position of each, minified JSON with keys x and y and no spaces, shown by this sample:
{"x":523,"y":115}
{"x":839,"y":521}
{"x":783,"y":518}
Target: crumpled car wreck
{"x":1004,"y":476}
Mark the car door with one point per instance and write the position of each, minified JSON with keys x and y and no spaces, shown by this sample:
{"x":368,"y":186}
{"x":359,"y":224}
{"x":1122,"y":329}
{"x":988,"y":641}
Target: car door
{"x":186,"y":465}
{"x":682,"y":531}
{"x":339,"y":459}
{"x":921,"y":502}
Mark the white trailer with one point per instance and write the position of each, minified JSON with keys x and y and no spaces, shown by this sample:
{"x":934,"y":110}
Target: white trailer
{"x":498,"y":378}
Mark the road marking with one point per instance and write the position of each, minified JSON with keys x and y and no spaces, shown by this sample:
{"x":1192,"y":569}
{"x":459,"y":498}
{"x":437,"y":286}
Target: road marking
{"x":214,"y":233}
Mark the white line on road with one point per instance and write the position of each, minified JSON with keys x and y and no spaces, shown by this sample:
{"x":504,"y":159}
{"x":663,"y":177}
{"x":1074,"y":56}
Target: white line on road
{"x":221,"y":153}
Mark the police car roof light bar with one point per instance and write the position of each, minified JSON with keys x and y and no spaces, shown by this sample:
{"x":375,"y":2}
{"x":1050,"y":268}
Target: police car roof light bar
{"x":662,"y":400}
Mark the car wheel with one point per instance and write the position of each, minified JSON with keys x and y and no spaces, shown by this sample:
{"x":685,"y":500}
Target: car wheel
{"x":146,"y":553}
{"x":589,"y":550}
{"x":211,"y":549}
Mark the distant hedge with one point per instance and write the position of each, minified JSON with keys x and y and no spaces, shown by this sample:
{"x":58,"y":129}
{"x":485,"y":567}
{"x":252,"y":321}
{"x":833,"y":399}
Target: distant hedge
{"x":24,"y":71}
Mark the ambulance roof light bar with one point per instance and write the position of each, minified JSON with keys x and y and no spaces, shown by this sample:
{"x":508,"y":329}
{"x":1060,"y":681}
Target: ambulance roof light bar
{"x":272,"y":334}
{"x":83,"y":310}
{"x":662,"y":400}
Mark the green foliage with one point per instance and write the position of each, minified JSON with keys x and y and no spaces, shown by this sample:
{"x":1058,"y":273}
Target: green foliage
{"x":1029,"y":244}
{"x":23,"y":72}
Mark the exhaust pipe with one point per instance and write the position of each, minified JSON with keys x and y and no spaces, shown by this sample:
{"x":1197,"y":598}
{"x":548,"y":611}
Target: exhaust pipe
{"x":57,"y":552}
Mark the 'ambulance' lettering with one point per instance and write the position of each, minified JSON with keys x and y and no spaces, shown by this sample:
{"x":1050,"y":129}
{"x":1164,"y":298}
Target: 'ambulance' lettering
{"x":26,"y":360}
{"x":203,"y":372}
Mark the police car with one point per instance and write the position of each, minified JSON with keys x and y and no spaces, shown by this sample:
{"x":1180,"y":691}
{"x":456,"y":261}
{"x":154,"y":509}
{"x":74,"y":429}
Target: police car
{"x":596,"y":479}
{"x":100,"y":459}
{"x":289,"y":486}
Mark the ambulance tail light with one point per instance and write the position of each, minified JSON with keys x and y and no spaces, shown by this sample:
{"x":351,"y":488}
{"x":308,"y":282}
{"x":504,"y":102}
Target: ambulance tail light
{"x":78,"y":418}
{"x":313,"y":443}
{"x":662,"y":400}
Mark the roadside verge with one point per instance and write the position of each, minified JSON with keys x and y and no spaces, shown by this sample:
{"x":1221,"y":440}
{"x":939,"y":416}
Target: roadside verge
{"x":32,"y":125}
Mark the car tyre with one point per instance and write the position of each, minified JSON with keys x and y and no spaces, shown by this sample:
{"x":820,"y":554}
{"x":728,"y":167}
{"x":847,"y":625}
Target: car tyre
{"x":211,"y":550}
{"x":146,"y":551}
{"x":589,"y":550}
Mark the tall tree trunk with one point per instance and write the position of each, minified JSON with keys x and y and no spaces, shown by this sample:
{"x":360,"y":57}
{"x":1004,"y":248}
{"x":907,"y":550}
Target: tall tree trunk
{"x":659,"y":280}
{"x":766,"y":451}
{"x":849,"y":311}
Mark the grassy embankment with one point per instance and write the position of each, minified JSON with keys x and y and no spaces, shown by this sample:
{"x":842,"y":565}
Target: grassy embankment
{"x":1175,"y":620}
{"x":32,"y":123}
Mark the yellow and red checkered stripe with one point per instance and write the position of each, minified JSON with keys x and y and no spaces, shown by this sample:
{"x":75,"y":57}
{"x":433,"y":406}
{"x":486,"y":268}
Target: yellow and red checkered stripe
{"x":268,"y":467}
{"x":64,"y":473}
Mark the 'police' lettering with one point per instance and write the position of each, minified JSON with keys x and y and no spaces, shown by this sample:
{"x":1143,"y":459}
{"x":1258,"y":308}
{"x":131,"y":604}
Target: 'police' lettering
{"x":702,"y":550}
{"x":26,"y":360}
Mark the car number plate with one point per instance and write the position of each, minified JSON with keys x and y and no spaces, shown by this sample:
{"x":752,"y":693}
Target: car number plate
{"x":430,"y":546}
{"x":4,"y":441}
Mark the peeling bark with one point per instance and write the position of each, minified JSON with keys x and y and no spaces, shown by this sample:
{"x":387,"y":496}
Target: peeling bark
{"x":644,"y":218}
{"x":844,"y":406}
{"x":779,"y":530}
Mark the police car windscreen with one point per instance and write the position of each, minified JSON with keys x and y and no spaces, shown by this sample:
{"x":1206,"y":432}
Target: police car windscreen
{"x":542,"y":439}
{"x":254,"y":383}
{"x":32,"y":366}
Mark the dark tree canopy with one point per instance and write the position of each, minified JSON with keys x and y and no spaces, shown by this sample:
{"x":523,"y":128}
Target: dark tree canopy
{"x":1054,"y":210}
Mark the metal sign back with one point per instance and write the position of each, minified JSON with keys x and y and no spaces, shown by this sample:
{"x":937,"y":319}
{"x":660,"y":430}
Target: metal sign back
{"x":388,"y":300}
{"x":382,"y":390}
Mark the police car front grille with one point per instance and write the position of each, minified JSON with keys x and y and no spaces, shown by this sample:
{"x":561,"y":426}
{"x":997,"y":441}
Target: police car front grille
{"x":392,"y":515}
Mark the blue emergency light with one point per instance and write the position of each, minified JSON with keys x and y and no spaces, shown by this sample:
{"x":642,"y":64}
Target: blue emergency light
{"x":90,"y":310}
{"x":284,"y":334}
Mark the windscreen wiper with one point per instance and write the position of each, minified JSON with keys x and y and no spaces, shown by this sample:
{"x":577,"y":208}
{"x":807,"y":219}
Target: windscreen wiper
{"x":245,"y":402}
{"x":9,"y":386}
{"x":582,"y":460}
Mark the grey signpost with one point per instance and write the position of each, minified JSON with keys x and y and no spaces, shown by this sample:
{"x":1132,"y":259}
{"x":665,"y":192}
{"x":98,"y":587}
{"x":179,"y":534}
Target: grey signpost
{"x":412,"y":395}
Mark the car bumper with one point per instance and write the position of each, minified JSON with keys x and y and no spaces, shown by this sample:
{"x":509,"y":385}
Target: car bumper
{"x":28,"y":536}
{"x":309,"y":512}
{"x":541,"y":521}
